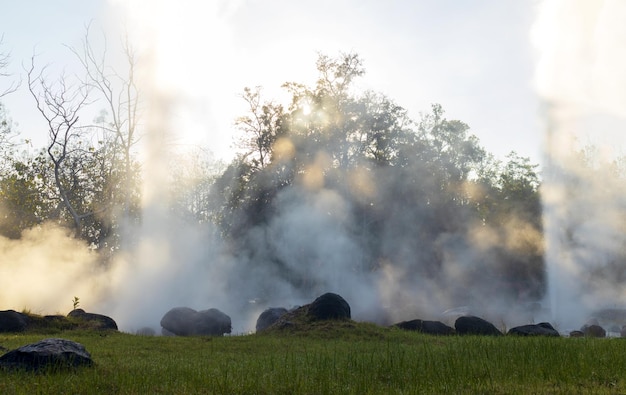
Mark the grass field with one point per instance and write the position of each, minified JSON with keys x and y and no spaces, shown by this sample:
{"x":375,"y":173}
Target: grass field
{"x":330,"y":358}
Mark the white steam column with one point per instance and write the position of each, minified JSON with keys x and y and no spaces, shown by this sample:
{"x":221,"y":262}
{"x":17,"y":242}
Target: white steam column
{"x":581,"y":78}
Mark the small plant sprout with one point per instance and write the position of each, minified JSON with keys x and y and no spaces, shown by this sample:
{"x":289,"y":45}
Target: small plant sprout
{"x":75,"y":302}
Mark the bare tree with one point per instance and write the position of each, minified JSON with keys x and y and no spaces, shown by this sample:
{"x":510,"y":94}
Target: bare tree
{"x":60,"y":103}
{"x":121,"y":97}
{"x":5,"y":58}
{"x":7,"y":132}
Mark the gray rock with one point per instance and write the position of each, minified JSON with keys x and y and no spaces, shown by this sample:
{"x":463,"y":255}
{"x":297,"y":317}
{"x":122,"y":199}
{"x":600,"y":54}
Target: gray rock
{"x":429,"y":327}
{"x":541,"y":329}
{"x":329,"y":306}
{"x":184,"y":321}
{"x":593,"y":330}
{"x":98,"y":321}
{"x":212,"y":322}
{"x":47,"y":354}
{"x":12,"y":321}
{"x":268,"y":317}
{"x":180,"y":321}
{"x":472,"y":325}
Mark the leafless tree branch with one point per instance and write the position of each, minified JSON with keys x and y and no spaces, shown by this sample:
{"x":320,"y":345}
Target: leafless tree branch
{"x":5,"y":58}
{"x":59,"y":104}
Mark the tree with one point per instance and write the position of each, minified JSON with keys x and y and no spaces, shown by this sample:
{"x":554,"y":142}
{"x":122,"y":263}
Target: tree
{"x":334,"y":136}
{"x":7,"y":132}
{"x":337,"y":74}
{"x":59,"y":104}
{"x":263,"y":126}
{"x":416,"y":191}
{"x":25,"y":196}
{"x":121,"y":97}
{"x":5,"y":58}
{"x":194,"y":173}
{"x":456,"y":151}
{"x":7,"y":135}
{"x":519,"y":185}
{"x":96,"y":176}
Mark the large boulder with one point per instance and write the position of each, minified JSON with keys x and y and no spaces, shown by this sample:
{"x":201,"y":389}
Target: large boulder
{"x":213,"y":322}
{"x":541,"y":329}
{"x":329,"y":306}
{"x":47,"y":354}
{"x":185,"y":321}
{"x":593,"y":330}
{"x":429,"y":327}
{"x":179,"y":321}
{"x":472,"y":325}
{"x":95,"y":321}
{"x":268,"y":317}
{"x":12,"y":321}
{"x":576,"y":333}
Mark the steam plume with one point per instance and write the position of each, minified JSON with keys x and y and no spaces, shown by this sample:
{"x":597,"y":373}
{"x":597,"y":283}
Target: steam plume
{"x":581,"y":81}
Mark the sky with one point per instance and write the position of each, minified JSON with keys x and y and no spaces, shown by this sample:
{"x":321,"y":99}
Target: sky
{"x":475,"y":58}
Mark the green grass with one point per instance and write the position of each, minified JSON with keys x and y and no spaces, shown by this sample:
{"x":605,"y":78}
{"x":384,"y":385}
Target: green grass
{"x":329,"y":358}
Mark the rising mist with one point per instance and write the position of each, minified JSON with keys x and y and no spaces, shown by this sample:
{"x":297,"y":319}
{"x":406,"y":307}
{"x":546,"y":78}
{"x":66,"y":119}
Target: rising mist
{"x":581,"y":82}
{"x":426,"y":254}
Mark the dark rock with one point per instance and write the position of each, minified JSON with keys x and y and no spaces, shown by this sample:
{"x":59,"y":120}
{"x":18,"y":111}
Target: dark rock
{"x":429,"y":327}
{"x":472,"y":325}
{"x":213,"y":322}
{"x":593,"y":330}
{"x":576,"y":334}
{"x":541,"y":329}
{"x":180,"y":321}
{"x":48,"y":353}
{"x":96,"y":321}
{"x":165,"y":332}
{"x":622,"y":331}
{"x":268,"y":317}
{"x":329,"y":306}
{"x":12,"y":321}
{"x":184,"y":321}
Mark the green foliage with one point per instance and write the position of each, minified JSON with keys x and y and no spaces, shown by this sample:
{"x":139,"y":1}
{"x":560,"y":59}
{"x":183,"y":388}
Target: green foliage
{"x":412,"y":188}
{"x":94,"y":181}
{"x":26,"y":198}
{"x":395,"y":362}
{"x":75,"y":302}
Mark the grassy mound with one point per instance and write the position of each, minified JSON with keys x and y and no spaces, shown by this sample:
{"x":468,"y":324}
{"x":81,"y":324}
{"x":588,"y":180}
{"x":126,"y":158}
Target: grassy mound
{"x":50,"y":324}
{"x":299,"y":322}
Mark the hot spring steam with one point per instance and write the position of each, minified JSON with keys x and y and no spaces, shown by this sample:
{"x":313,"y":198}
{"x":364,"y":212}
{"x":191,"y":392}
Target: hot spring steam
{"x":318,"y":232}
{"x":581,"y":80}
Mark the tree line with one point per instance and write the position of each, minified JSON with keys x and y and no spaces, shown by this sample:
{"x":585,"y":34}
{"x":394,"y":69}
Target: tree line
{"x":421,"y":194}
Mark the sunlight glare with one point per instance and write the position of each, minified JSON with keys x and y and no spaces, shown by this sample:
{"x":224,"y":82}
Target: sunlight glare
{"x":187,"y":58}
{"x":306,"y":109}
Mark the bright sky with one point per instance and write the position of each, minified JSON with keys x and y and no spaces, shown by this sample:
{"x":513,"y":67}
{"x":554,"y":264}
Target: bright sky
{"x":472,"y":56}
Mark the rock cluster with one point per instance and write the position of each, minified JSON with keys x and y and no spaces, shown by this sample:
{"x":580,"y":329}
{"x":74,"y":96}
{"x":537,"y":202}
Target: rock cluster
{"x":13,"y":322}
